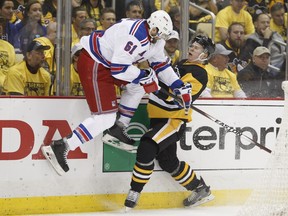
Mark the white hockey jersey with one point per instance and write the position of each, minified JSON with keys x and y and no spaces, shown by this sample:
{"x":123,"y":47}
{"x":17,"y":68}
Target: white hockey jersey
{"x":127,"y":43}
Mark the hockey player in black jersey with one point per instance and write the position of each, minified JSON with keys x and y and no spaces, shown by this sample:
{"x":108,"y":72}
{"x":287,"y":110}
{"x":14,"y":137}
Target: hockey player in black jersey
{"x":167,"y":124}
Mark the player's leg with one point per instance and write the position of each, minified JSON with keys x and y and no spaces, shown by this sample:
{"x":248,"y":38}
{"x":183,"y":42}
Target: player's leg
{"x":146,"y":153}
{"x":101,"y":98}
{"x":117,"y":135}
{"x":56,"y":152}
{"x":142,"y":170}
{"x":130,"y":99}
{"x":183,"y":173}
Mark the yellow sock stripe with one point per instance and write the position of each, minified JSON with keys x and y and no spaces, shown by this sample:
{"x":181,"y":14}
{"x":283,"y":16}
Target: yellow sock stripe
{"x":143,"y":181}
{"x":189,"y":180}
{"x":182,"y":173}
{"x":147,"y":172}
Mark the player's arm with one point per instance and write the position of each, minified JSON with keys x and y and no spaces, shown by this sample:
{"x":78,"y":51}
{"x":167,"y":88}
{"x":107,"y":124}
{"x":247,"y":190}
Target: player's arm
{"x":124,"y":65}
{"x":123,"y":61}
{"x":198,"y":80}
{"x":161,"y":64}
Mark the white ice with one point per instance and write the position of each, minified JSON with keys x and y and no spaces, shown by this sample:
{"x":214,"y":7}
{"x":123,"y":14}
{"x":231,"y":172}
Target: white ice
{"x":196,"y":211}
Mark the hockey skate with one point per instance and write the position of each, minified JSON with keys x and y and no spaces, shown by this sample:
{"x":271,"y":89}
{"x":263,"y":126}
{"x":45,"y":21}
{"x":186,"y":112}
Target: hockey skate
{"x":199,"y":195}
{"x":117,"y":137}
{"x":131,"y":199}
{"x":56,"y":154}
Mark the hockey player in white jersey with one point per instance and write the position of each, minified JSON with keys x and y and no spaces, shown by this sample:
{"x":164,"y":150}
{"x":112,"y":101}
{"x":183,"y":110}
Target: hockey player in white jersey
{"x":109,"y":58}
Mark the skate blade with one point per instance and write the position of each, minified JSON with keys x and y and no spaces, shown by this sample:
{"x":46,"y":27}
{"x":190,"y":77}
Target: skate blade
{"x":127,"y":209}
{"x":204,"y":200}
{"x":109,"y":140}
{"x":50,"y":156}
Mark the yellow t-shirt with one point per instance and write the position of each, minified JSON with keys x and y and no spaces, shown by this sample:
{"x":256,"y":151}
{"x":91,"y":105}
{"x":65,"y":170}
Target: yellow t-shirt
{"x":7,"y":60}
{"x":221,"y":83}
{"x":175,"y":58}
{"x":227,"y":16}
{"x":172,"y":3}
{"x":280,"y":29}
{"x":95,"y":12}
{"x":19,"y":79}
{"x":74,"y":36}
{"x":76,"y":88}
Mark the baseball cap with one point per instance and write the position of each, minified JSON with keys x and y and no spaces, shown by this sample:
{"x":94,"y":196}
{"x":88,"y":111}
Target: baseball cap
{"x":220,"y":49}
{"x":260,"y":50}
{"x":75,"y":49}
{"x":174,"y":34}
{"x":36,"y":45}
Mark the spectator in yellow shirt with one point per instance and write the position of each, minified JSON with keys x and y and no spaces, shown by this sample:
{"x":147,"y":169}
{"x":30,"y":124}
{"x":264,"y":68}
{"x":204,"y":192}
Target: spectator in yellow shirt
{"x":78,"y":15}
{"x":166,"y":5}
{"x":278,"y":20}
{"x":222,"y":82}
{"x":7,"y":54}
{"x":94,"y":9}
{"x":171,"y":47}
{"x":49,"y":40}
{"x":87,"y":26}
{"x":107,"y":18}
{"x":235,"y":12}
{"x":28,"y":77}
{"x":76,"y":88}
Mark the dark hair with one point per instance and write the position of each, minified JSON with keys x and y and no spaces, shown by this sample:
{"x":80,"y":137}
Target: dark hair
{"x":174,"y":11}
{"x":48,"y":6}
{"x":277,"y":6}
{"x":26,"y":11}
{"x":2,"y":24}
{"x":133,"y":3}
{"x":107,"y":10}
{"x":77,"y":9}
{"x":256,"y":16}
{"x":233,"y":24}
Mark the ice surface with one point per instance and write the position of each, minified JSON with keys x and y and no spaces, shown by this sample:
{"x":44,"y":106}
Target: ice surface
{"x":196,"y":211}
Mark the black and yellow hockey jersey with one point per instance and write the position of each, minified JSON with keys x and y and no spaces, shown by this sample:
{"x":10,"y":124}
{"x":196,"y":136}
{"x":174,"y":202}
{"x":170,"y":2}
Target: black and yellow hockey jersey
{"x":162,"y":106}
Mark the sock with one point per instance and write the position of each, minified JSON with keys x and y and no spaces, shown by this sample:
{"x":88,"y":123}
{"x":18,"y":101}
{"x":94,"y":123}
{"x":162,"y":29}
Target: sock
{"x":129,"y":102}
{"x":125,"y":114}
{"x":141,"y":175}
{"x":185,"y":176}
{"x":90,"y":128}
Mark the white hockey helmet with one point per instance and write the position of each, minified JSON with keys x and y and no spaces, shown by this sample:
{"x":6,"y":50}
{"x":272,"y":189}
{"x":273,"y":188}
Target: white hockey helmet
{"x":162,"y":21}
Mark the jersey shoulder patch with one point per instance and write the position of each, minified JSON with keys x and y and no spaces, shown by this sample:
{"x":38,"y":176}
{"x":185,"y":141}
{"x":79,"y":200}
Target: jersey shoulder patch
{"x":139,"y":31}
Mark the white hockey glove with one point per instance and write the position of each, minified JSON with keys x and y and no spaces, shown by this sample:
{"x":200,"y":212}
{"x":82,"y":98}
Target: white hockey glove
{"x":150,"y":81}
{"x":184,"y":93}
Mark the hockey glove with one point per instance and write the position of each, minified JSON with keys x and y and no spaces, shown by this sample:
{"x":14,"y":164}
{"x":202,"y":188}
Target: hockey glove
{"x":150,"y":81}
{"x":184,"y":93}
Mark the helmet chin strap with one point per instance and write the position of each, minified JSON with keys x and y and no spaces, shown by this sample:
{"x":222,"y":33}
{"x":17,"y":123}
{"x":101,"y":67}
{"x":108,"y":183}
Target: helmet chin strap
{"x":201,"y":58}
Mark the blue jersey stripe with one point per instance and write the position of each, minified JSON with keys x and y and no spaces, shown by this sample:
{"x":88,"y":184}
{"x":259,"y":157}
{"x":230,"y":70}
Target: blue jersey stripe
{"x":94,"y":48}
{"x":139,"y":31}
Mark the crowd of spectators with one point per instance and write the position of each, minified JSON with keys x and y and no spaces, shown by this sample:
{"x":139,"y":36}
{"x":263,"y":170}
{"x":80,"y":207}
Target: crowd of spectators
{"x":241,"y":27}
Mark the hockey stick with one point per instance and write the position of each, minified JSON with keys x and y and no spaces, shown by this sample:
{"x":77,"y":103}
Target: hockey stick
{"x":227,"y":127}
